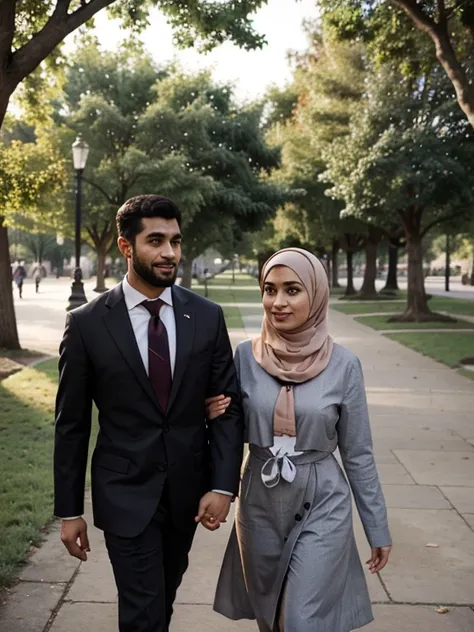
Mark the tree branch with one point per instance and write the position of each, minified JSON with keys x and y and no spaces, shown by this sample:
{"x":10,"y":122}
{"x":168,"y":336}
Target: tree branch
{"x":445,"y":53}
{"x":60,"y":24}
{"x":416,"y":13}
{"x":99,"y":188}
{"x":7,"y":30}
{"x":442,"y":14}
{"x":443,"y":220}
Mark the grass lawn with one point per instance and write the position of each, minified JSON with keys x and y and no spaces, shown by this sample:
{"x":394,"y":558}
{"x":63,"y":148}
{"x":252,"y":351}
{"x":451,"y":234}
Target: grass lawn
{"x":230,"y":296}
{"x":226,"y":279}
{"x":233,"y":318}
{"x":381,"y":322}
{"x":437,"y":304}
{"x":448,"y":348}
{"x":26,"y":449}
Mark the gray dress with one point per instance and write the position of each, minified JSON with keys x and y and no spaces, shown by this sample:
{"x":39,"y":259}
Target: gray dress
{"x":296,"y":538}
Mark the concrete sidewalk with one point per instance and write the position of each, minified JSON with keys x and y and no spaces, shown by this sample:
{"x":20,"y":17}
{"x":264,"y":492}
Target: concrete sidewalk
{"x":423,"y":430}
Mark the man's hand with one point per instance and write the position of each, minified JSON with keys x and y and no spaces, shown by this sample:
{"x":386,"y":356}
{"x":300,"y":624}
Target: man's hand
{"x":213,"y":509}
{"x":74,"y":537}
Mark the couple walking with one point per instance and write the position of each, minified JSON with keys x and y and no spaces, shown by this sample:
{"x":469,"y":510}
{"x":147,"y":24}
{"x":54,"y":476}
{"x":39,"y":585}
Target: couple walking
{"x":174,"y":412}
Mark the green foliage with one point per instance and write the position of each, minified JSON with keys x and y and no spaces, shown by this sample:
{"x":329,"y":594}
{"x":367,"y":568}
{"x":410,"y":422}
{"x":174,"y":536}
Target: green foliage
{"x":152,"y":129}
{"x":328,"y":82}
{"x":200,"y":23}
{"x":409,"y":147}
{"x":221,"y":144}
{"x":31,"y":174}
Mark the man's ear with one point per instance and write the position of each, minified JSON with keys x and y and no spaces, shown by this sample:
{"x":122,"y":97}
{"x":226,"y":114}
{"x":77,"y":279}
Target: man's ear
{"x":125,"y":247}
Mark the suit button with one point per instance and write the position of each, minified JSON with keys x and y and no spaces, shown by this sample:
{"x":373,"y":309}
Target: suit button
{"x":166,"y":428}
{"x":298,"y":517}
{"x":161,"y":467}
{"x":307,"y":506}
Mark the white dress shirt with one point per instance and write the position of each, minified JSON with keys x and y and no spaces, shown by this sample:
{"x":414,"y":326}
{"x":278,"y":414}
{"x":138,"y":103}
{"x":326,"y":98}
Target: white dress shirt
{"x":140,"y":317}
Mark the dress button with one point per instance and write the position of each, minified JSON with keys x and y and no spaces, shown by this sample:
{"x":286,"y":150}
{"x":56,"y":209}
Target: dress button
{"x":297,"y":517}
{"x":161,"y":467}
{"x":307,"y":506}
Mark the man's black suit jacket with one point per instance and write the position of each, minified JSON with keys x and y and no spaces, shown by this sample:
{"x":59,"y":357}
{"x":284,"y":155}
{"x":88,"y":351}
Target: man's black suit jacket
{"x":138,"y":445}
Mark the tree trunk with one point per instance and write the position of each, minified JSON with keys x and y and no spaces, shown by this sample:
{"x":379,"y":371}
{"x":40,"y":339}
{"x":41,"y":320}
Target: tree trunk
{"x":392,"y":275}
{"x":350,"y":289}
{"x":5,"y":94}
{"x":334,"y":263}
{"x":262,"y":257}
{"x":327,"y":263}
{"x":370,"y":274}
{"x":8,"y":329}
{"x":417,"y":309}
{"x":187,"y":273}
{"x":100,"y":282}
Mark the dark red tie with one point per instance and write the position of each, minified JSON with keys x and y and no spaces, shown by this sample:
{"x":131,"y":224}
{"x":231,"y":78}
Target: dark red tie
{"x":159,"y":364}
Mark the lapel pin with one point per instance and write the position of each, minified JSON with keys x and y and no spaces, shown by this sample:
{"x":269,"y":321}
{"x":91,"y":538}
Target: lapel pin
{"x":186,"y":315}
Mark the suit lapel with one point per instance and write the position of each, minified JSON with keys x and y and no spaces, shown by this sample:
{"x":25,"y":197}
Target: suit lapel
{"x":185,"y":323}
{"x":118,"y":323}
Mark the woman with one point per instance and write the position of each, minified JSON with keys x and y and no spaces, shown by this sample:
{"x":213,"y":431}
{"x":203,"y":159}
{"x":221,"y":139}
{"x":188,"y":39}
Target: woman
{"x":292,"y":562}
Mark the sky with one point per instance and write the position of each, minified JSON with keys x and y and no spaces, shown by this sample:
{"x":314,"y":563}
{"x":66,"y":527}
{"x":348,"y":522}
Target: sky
{"x":251,"y":72}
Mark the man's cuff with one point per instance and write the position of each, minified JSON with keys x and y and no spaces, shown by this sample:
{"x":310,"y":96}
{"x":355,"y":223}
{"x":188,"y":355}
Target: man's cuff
{"x":73,"y":518}
{"x":221,"y":491}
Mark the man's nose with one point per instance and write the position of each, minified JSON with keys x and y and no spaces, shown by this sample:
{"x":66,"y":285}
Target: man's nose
{"x":167,"y":251}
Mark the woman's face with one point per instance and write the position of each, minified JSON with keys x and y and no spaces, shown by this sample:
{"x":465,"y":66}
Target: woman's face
{"x":285,"y":299}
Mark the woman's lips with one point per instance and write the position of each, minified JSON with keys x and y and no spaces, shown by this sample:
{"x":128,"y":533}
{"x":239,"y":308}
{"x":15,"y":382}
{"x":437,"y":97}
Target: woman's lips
{"x":280,"y":315}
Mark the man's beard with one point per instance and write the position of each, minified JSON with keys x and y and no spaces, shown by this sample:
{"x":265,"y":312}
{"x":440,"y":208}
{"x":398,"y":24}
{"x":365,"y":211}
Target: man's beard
{"x":148,"y":275}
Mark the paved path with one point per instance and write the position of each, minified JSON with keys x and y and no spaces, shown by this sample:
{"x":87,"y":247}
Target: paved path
{"x":433,"y":285}
{"x":423,"y":429}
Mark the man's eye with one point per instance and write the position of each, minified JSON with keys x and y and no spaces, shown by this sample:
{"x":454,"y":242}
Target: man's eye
{"x":176,"y":243}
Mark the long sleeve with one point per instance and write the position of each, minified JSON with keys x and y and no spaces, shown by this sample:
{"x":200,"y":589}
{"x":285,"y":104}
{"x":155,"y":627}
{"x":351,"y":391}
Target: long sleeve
{"x":73,"y":424}
{"x":355,"y":445}
{"x":226,"y":431}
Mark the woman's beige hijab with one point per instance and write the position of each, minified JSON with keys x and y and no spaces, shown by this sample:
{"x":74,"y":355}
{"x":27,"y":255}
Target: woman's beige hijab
{"x":299,"y":355}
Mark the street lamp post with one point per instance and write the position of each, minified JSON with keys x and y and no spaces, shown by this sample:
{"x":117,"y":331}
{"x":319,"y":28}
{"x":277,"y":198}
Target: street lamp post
{"x":447,"y":268}
{"x":80,"y":151}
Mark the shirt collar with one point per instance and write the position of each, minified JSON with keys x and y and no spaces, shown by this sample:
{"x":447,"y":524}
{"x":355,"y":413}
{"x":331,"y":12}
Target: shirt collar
{"x":133,"y":297}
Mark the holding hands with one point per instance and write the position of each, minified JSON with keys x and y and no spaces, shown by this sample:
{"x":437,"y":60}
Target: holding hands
{"x":213,"y":510}
{"x":214,"y":507}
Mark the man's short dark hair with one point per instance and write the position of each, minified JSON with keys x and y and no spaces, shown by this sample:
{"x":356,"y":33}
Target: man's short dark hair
{"x":130,"y":214}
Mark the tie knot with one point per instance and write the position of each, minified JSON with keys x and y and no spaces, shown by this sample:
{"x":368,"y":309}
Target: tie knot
{"x":153,"y":306}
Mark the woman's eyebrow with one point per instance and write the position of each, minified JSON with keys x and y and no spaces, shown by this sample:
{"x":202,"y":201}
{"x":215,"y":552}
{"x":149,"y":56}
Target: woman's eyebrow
{"x":285,"y":283}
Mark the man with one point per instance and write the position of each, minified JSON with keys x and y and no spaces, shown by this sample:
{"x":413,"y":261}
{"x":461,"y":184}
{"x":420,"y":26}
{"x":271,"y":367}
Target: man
{"x":147,"y":353}
{"x":19,"y":276}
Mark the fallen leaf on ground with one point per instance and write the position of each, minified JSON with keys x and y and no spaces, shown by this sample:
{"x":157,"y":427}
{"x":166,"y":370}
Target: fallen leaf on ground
{"x":432,"y":545}
{"x":442,"y":610}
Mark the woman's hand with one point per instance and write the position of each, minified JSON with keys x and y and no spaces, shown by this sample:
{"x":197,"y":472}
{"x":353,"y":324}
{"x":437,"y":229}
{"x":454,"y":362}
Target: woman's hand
{"x":379,"y":558}
{"x":216,"y":406}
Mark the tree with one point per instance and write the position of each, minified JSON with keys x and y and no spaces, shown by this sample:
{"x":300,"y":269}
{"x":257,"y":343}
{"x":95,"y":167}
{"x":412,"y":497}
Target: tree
{"x":307,"y":117}
{"x":30,"y":174}
{"x":407,"y":159}
{"x":105,"y":94}
{"x":32,"y":32}
{"x":196,"y":121}
{"x":392,"y":35}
